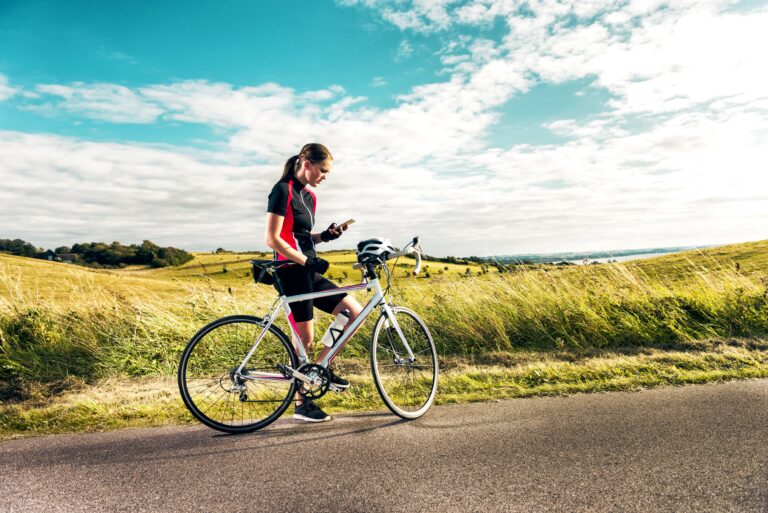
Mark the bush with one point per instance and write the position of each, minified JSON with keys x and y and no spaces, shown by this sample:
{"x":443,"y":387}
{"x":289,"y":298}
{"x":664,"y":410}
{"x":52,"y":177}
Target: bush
{"x":158,"y":262}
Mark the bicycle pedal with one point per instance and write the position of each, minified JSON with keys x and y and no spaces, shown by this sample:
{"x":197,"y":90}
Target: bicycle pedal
{"x":336,"y":388}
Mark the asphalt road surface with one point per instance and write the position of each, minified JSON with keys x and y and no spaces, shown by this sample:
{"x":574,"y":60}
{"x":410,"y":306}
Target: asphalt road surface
{"x":695,"y":448}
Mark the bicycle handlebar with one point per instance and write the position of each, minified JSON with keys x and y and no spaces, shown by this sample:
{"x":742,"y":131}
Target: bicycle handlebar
{"x":409,"y":251}
{"x":398,"y":254}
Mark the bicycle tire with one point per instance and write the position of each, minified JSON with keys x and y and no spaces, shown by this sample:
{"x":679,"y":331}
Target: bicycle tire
{"x":407,"y":388}
{"x":212,"y":355}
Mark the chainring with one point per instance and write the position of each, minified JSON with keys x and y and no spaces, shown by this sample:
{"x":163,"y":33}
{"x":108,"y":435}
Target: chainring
{"x":321,"y":378}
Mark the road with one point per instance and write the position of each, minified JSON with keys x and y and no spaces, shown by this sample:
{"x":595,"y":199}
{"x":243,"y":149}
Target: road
{"x":694,"y":448}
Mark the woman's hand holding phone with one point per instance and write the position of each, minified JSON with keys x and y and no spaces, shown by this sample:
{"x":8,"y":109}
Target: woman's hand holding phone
{"x":334,"y":231}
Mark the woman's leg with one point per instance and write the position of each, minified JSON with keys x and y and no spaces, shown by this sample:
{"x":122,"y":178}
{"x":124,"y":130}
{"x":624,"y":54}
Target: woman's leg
{"x":348,"y":303}
{"x":305,"y":330}
{"x":305,"y":333}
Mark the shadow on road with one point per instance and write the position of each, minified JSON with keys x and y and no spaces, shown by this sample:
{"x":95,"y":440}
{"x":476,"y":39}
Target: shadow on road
{"x":188,"y":443}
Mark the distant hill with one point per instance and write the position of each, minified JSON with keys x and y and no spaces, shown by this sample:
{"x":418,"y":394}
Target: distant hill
{"x":536,"y":258}
{"x":746,"y":258}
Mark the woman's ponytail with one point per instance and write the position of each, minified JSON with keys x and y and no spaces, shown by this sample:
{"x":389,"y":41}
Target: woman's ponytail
{"x":290,"y":166}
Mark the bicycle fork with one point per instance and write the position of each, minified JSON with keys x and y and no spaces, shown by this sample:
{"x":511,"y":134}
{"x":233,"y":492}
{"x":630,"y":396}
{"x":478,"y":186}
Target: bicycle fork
{"x":390,"y":319}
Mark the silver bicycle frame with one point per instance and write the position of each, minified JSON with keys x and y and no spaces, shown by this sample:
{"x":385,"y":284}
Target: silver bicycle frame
{"x":285,"y":301}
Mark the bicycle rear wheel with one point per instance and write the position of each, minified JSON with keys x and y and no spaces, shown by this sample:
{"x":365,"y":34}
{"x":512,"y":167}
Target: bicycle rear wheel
{"x":221,"y":398}
{"x":407,"y":387}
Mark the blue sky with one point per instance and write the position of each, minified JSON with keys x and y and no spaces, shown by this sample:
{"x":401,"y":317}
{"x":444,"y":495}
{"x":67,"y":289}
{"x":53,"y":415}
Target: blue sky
{"x":486,"y":126}
{"x":241,"y":43}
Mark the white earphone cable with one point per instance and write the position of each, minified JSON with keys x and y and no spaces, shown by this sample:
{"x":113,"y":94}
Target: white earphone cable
{"x":311,"y":217}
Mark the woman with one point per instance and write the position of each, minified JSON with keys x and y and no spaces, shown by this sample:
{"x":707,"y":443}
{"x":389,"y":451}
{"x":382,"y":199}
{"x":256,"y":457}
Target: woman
{"x":290,"y":220}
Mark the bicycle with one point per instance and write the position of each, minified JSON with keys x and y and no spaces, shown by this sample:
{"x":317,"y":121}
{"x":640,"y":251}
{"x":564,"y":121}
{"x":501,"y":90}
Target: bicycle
{"x":241,"y":372}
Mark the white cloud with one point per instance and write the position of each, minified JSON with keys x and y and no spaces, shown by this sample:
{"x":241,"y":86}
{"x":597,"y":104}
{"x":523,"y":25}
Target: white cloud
{"x":107,"y":102}
{"x":691,"y":179}
{"x":63,"y":190}
{"x":420,"y":15}
{"x":687,"y":62}
{"x":652,"y":55}
{"x":404,"y":50}
{"x":378,"y":82}
{"x":6,"y":91}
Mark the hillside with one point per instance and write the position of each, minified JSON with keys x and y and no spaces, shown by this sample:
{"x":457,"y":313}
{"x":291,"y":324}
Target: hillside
{"x":751,"y":257}
{"x":30,"y":278}
{"x":224,"y":272}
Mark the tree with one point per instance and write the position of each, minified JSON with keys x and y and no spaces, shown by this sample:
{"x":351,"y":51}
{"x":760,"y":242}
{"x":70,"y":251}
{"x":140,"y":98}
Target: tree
{"x":146,"y":252}
{"x":19,"y":247}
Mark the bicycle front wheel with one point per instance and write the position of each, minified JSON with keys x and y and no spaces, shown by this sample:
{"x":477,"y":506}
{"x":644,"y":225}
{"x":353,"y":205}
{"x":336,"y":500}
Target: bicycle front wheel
{"x":407,"y":386}
{"x":227,"y":400}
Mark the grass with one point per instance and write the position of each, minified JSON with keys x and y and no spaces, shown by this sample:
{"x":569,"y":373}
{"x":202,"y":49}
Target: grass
{"x":115,"y":403}
{"x":83,"y":349}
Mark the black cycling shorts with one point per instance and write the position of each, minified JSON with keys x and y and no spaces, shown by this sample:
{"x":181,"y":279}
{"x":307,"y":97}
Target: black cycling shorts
{"x":297,"y":280}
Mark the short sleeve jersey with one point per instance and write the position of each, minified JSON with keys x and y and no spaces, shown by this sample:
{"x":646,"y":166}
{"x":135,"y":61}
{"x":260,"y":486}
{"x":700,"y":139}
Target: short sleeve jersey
{"x":292,"y":200}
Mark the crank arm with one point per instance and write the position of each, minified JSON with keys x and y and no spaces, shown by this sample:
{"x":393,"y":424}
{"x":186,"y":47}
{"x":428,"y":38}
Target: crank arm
{"x":302,"y":377}
{"x":296,"y":374}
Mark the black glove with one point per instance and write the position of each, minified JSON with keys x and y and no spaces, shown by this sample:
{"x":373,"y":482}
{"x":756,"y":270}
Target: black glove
{"x":316,"y":264}
{"x":332,"y":233}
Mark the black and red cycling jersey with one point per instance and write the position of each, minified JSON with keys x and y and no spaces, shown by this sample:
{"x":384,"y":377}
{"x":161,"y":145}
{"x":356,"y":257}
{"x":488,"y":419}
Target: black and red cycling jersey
{"x":293,"y":200}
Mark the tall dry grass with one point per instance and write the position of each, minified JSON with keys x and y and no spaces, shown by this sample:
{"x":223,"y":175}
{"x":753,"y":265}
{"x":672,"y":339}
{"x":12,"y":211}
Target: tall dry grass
{"x":595,"y":307}
{"x":95,"y":332}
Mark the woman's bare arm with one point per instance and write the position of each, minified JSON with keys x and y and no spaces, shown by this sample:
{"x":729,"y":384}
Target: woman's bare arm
{"x":274,"y":241}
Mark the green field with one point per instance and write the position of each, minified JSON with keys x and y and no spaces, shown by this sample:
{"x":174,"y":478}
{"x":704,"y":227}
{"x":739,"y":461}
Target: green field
{"x":84,"y":349}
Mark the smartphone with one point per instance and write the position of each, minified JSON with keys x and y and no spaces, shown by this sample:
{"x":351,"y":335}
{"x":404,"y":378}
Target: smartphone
{"x":346,"y":224}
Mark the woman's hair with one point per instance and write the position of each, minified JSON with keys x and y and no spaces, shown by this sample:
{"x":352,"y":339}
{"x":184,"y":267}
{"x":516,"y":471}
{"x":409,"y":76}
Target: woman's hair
{"x":313,"y":152}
